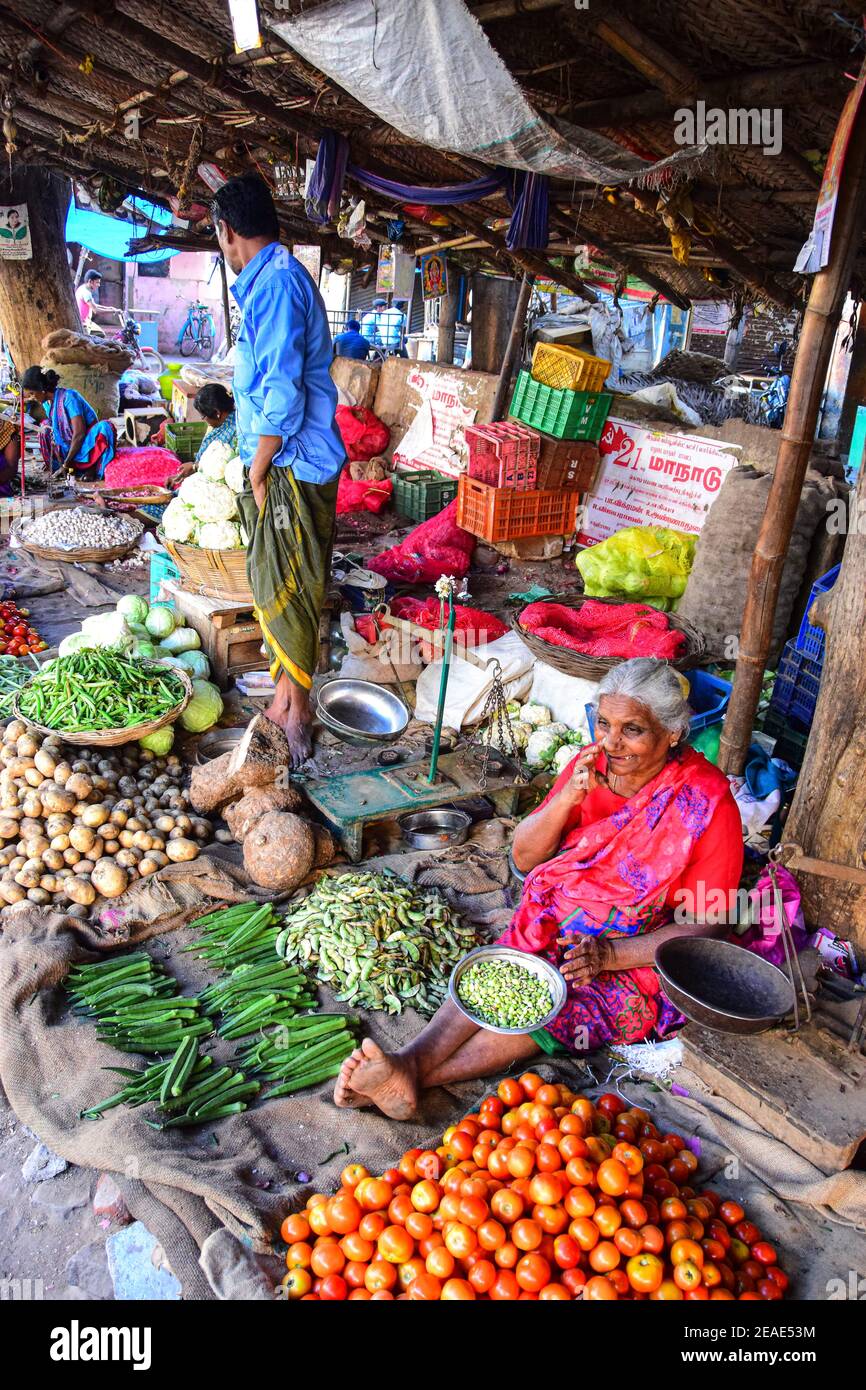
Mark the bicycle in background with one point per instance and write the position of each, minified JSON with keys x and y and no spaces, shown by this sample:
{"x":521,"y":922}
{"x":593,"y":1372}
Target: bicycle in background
{"x":196,"y":337}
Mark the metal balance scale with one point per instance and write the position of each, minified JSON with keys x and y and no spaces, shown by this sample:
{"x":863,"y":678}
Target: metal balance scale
{"x":363,"y":713}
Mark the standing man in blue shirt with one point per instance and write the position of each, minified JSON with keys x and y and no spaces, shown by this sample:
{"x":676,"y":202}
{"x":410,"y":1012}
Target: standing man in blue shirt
{"x":384,"y":327}
{"x":352,"y":342}
{"x":289,"y":443}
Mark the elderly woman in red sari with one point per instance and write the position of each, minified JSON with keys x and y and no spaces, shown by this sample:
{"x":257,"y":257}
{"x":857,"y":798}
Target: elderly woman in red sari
{"x":637,"y":825}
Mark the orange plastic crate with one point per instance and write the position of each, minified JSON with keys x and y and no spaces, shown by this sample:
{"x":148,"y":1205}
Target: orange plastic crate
{"x":568,"y":369}
{"x":503,"y":514}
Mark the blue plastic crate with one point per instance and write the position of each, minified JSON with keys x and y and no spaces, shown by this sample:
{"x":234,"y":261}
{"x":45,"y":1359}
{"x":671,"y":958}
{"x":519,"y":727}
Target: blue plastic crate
{"x":798,"y":681}
{"x":162,"y":567}
{"x":810,"y":640}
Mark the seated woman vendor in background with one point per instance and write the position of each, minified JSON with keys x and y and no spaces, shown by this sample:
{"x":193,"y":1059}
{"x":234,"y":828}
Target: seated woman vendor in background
{"x":72,"y":438}
{"x":637,"y":824}
{"x":216,"y":406}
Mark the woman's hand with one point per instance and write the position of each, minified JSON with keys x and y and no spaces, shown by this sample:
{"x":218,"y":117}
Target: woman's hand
{"x":584,"y":777}
{"x":185,"y":470}
{"x":588,"y":958}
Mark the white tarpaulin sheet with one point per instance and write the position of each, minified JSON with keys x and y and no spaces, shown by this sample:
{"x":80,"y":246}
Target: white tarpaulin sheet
{"x":427,"y":68}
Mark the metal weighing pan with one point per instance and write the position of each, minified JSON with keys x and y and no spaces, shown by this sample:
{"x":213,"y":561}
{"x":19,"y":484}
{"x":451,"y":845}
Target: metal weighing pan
{"x":362,"y":709}
{"x":536,"y":965}
{"x":723,"y":986}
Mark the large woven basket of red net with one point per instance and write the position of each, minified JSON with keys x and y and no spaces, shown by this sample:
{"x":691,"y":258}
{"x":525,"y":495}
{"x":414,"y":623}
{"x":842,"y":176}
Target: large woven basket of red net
{"x":584,"y":636}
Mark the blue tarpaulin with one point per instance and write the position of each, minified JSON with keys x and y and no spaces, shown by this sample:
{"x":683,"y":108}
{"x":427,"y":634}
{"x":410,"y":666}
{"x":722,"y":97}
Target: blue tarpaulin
{"x":110,"y":236}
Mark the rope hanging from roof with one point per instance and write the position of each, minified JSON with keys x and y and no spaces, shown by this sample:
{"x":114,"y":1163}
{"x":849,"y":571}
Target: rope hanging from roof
{"x":527,"y":192}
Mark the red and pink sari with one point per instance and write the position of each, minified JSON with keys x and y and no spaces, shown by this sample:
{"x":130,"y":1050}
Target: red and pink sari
{"x":617,"y":877}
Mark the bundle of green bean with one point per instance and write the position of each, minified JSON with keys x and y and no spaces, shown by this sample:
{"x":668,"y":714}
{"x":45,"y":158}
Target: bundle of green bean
{"x":95,"y":689}
{"x":186,"y":1083}
{"x":301,"y":1052}
{"x":240,"y":935}
{"x":136,"y":1005}
{"x":383,"y":943}
{"x":13,"y":674}
{"x":504,"y":994}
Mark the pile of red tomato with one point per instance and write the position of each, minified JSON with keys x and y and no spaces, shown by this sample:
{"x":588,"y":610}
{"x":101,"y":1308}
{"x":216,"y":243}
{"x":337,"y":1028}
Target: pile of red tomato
{"x":18,"y":637}
{"x":542,"y":1194}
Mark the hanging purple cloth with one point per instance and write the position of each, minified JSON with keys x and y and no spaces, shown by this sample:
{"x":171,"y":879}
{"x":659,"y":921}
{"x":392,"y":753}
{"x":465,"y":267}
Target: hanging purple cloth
{"x":529,"y":228}
{"x":326,"y":181}
{"x":448,"y":195}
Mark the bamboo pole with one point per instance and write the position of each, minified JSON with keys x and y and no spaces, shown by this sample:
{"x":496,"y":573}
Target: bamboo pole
{"x":798,"y":434}
{"x":513,"y":347}
{"x":226,"y":305}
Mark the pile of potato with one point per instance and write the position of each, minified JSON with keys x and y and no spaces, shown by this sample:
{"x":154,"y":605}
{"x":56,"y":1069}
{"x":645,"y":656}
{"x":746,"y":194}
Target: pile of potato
{"x":80,"y":823}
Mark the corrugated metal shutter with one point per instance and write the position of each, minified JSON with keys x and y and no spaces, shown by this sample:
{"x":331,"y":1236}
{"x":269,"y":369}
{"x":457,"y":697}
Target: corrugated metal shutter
{"x":361,"y":296}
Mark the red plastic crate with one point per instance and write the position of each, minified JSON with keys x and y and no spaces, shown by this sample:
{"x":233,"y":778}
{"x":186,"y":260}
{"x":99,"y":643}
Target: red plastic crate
{"x":503,"y":455}
{"x":506,"y":514}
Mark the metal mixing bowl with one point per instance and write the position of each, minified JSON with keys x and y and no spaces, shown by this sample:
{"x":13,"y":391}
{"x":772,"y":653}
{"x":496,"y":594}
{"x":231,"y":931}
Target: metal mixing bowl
{"x":362,"y":709}
{"x":535,"y":965}
{"x":433,"y":829}
{"x":723,"y":986}
{"x":217,"y":742}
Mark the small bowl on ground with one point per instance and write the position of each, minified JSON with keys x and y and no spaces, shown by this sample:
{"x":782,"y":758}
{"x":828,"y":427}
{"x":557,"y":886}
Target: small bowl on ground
{"x":538,"y":966}
{"x":435,"y":829}
{"x":723,"y":986}
{"x":217,"y":742}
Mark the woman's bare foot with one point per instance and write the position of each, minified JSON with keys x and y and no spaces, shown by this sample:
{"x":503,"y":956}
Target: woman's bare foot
{"x":371,"y":1077}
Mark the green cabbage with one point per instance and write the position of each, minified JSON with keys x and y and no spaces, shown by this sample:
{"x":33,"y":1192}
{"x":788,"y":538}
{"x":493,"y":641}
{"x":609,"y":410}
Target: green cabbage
{"x":133,"y":608}
{"x":195,"y":664}
{"x":108,"y":631}
{"x":159,"y":742}
{"x":183,"y":639}
{"x":204,"y":709}
{"x":145,"y":650}
{"x":160,"y":621}
{"x":75,"y":642}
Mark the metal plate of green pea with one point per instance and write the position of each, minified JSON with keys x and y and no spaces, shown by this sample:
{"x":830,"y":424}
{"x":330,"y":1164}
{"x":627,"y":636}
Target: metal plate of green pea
{"x":511,"y":997}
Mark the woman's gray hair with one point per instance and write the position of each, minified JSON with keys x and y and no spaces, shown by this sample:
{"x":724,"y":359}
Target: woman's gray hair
{"x":653,"y":684}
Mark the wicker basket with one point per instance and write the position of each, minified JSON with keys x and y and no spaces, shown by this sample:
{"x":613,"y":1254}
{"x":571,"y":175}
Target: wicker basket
{"x":84,"y":556}
{"x":111,"y":738}
{"x":215,"y":573}
{"x":592,"y":668}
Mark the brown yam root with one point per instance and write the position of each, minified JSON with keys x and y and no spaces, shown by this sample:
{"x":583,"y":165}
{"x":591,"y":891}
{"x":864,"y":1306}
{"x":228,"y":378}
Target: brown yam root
{"x":243,"y":815}
{"x":211,"y":786}
{"x":280,"y":851}
{"x":325,"y":847}
{"x":262,"y":756}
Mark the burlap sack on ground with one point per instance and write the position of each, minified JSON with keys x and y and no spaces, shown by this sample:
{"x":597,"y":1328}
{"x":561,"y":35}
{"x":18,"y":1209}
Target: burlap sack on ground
{"x":715,"y":595}
{"x":185,"y":1185}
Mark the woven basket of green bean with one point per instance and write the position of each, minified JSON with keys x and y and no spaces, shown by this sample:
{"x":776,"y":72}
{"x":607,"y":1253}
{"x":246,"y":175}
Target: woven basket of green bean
{"x":102,"y":699}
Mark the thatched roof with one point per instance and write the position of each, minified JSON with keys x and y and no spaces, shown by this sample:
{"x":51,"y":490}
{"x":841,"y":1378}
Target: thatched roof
{"x":70,"y":73}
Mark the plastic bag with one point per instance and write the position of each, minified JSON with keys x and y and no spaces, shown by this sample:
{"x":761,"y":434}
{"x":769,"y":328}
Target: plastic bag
{"x":765,"y":936}
{"x":640,"y":560}
{"x":436,"y":547}
{"x":362,"y":497}
{"x":363,"y":433}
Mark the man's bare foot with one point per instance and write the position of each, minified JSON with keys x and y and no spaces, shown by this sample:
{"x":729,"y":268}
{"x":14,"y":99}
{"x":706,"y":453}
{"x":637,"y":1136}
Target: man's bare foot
{"x":371,"y":1077}
{"x":299,"y":734}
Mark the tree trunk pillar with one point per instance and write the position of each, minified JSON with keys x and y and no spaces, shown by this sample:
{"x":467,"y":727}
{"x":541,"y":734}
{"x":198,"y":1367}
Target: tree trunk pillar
{"x":36,"y":296}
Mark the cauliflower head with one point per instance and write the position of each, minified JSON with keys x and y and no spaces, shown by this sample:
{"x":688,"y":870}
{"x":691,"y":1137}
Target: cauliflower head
{"x":209,"y":501}
{"x":543,"y":744}
{"x":234,"y":474}
{"x":533,"y":714}
{"x":219,"y":535}
{"x":212,"y":464}
{"x":178,"y":521}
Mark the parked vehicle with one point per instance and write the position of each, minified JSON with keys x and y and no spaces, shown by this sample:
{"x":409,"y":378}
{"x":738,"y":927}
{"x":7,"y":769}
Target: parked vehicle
{"x":196,"y":337}
{"x":128,"y":335}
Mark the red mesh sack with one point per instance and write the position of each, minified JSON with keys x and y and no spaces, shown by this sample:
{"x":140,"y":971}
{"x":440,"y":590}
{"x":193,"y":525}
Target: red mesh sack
{"x":362,"y":497}
{"x":605,"y":629}
{"x":438,"y":546}
{"x":474,"y":625}
{"x":363,"y":434}
{"x":132,"y":467}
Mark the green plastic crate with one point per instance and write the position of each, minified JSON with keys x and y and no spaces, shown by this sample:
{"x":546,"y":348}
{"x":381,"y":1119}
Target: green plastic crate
{"x":184,"y":439}
{"x":564,"y":414}
{"x":424,"y":494}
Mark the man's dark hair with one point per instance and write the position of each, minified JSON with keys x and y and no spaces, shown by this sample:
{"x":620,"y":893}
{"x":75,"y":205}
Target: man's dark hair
{"x":246,"y":205}
{"x":91,"y":276}
{"x":211,"y":399}
{"x":353,"y":326}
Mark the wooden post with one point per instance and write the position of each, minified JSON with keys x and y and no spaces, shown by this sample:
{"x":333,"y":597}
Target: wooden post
{"x":513,"y":348}
{"x":447,"y":324}
{"x":226,"y":304}
{"x":798,"y":434}
{"x":36,"y":296}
